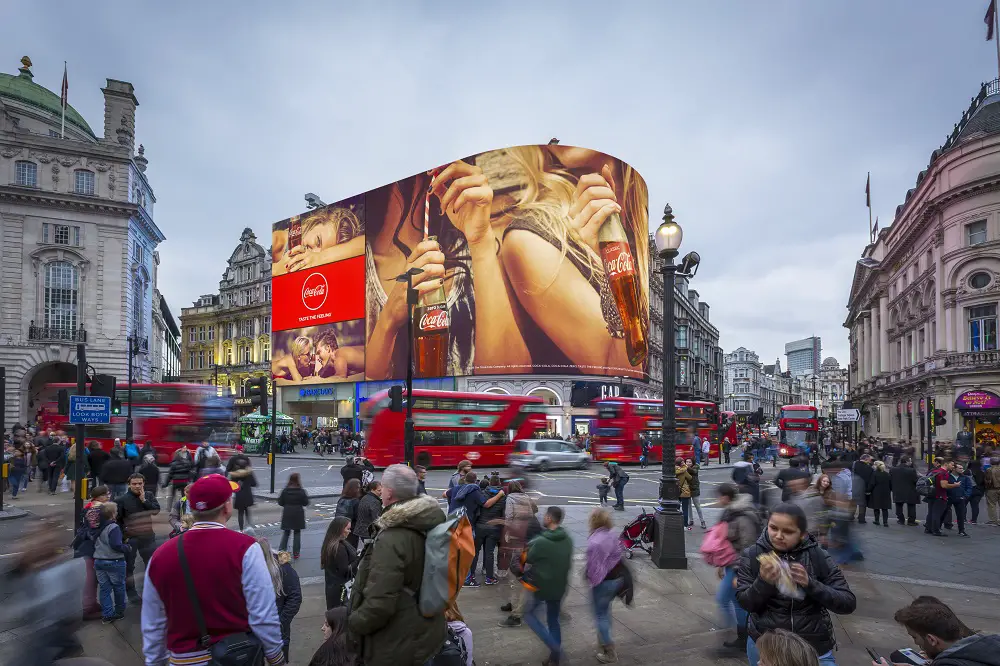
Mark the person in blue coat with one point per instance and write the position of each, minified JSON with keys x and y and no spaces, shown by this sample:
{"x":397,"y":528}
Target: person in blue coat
{"x":958,"y":495}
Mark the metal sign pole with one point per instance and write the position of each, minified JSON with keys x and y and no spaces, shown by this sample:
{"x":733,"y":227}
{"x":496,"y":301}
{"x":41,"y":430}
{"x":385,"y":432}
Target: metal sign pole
{"x":81,"y":430}
{"x":274,"y":427}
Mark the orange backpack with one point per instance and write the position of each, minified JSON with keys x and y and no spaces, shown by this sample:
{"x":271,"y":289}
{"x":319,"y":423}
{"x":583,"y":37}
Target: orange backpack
{"x":448,"y":552}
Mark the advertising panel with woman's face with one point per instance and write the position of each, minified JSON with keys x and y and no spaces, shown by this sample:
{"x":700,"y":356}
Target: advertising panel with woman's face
{"x":526,"y":260}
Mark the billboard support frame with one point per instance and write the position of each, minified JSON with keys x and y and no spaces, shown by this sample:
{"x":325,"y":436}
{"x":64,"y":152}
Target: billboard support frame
{"x":411,"y":300}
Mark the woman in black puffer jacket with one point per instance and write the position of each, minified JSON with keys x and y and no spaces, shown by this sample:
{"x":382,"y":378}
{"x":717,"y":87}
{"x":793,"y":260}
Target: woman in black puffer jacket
{"x":813,"y":571}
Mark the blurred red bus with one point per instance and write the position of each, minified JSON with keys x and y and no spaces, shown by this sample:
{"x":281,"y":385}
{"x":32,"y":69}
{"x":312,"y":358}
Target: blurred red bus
{"x":798,"y":429}
{"x":622,"y":421}
{"x":728,"y":428}
{"x":450,"y":427}
{"x":168,"y":415}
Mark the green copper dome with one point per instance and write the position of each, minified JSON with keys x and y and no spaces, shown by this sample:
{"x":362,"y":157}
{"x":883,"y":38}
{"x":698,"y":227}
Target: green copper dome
{"x":23,"y":89}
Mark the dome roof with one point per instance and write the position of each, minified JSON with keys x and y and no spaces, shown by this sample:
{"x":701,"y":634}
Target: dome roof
{"x":985,"y":120}
{"x":23,"y":89}
{"x":829,"y":360}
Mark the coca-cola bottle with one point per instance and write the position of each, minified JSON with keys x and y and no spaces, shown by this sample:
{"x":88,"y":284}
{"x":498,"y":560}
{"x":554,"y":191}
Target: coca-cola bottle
{"x":294,"y":234}
{"x":431,"y":334}
{"x":624,"y":281}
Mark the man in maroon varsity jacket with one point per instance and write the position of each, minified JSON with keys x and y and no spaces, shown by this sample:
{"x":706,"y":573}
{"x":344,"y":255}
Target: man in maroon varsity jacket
{"x":235,"y":591}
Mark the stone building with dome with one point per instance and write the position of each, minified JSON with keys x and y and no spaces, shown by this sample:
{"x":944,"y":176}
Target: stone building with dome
{"x":77,"y":241}
{"x":923,"y":307}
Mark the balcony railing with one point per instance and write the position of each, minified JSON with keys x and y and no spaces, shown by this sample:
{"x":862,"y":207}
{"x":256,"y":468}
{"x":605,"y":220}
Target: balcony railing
{"x":973,"y":360}
{"x":54,"y":334}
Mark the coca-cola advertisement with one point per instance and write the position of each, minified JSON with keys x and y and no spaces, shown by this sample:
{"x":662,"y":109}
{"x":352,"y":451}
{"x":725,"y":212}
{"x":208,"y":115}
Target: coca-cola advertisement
{"x":320,"y":354}
{"x":529,"y":260}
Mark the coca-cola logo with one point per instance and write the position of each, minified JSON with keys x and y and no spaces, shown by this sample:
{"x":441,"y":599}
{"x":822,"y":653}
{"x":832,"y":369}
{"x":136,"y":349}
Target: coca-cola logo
{"x":314,"y":291}
{"x":434,"y":320}
{"x":618,"y":259}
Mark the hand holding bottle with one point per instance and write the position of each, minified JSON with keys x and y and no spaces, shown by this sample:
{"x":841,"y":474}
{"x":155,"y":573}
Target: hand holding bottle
{"x":428,"y":257}
{"x":594,"y":202}
{"x":466,"y":198}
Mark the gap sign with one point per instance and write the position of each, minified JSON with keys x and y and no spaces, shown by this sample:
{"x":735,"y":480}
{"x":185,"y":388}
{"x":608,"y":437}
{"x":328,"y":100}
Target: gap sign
{"x":88,"y":409}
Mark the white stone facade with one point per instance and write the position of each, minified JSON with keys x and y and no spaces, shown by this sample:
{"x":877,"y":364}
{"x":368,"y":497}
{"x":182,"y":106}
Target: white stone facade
{"x":924,"y":299}
{"x":743,"y":374}
{"x":72,"y":211}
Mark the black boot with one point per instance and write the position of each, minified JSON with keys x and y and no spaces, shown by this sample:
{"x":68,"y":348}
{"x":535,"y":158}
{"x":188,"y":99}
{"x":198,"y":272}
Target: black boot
{"x":740,"y":642}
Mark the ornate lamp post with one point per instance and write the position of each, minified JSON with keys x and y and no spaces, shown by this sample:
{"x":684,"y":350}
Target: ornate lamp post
{"x":668,"y":545}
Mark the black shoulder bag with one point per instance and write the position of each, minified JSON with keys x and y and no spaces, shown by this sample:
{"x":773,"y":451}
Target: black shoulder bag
{"x":242,"y":649}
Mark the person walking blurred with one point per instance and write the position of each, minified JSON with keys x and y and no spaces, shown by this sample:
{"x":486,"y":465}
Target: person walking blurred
{"x":880,"y":493}
{"x":180,"y":473}
{"x":604,"y":571}
{"x":739,"y":515}
{"x":695,"y":484}
{"x":293,"y":501}
{"x":548,"y":563}
{"x":369,"y":509}
{"x":243,"y":498}
{"x":520,"y":526}
{"x":903,"y":479}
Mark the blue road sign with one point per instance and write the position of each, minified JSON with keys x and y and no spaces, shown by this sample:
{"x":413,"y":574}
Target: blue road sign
{"x":89,"y":409}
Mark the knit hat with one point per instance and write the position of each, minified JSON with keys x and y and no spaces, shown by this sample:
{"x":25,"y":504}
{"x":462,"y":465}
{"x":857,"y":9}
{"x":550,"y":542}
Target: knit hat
{"x":210,"y":492}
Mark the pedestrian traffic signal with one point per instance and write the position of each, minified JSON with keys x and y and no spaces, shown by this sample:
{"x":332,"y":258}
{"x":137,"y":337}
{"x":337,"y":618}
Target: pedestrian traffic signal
{"x":103,"y":385}
{"x":116,"y":407}
{"x":395,"y":398}
{"x":257,"y":390}
{"x":940,"y":417}
{"x":62,"y":398}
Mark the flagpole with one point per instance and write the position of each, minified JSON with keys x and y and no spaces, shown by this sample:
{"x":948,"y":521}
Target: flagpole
{"x":62,"y":129}
{"x":996,"y":28}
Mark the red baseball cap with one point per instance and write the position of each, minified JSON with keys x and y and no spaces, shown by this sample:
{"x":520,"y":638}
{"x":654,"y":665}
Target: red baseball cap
{"x":210,"y":492}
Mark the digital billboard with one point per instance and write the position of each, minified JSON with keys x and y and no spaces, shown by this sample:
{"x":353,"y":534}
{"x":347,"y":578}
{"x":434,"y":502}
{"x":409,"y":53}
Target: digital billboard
{"x":529,"y":260}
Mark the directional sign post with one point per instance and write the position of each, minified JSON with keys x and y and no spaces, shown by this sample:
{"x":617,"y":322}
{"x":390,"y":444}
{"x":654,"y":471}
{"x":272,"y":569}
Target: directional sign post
{"x":88,"y":409}
{"x":848,"y":415}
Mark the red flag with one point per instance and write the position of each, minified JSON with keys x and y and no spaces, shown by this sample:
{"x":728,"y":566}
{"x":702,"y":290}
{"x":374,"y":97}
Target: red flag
{"x":868,"y":188}
{"x":875,"y":230}
{"x":990,"y":19}
{"x":65,"y":88}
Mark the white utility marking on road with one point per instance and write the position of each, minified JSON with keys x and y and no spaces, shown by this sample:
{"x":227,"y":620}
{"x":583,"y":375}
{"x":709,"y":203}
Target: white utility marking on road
{"x":581,"y":502}
{"x":329,"y":467}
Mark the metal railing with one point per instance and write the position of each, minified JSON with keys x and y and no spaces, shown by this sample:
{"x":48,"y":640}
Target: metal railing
{"x":973,"y":359}
{"x":55,"y":334}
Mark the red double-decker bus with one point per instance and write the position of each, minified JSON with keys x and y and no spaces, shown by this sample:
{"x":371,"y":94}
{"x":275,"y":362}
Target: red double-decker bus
{"x":168,"y":415}
{"x":728,"y":428}
{"x":450,"y":426}
{"x":798,"y":429}
{"x":622,"y":422}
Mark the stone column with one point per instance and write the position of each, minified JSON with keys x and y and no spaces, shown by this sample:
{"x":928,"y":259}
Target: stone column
{"x":873,"y":336}
{"x":883,"y":336}
{"x":862,"y":355}
{"x":949,"y":329}
{"x":940,"y":343}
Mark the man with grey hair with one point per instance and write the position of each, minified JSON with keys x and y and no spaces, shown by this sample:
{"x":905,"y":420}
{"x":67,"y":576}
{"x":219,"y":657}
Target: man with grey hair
{"x":384,"y":616}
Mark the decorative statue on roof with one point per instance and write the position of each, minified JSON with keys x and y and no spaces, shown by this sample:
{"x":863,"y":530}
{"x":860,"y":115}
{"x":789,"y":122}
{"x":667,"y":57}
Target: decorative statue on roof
{"x":26,"y":61}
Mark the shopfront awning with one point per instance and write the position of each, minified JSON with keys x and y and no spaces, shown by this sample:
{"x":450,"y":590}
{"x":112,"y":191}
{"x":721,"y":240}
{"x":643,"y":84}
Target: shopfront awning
{"x":255,"y":417}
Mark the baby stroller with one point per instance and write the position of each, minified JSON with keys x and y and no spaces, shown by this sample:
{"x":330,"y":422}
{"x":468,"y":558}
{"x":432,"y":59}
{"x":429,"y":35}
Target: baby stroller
{"x":638,"y":534}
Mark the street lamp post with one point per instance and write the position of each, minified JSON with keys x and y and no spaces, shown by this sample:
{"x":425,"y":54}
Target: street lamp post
{"x":411,"y":300}
{"x":668,"y":544}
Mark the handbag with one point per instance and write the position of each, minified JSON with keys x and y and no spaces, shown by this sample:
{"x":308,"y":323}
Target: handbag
{"x":241,"y":649}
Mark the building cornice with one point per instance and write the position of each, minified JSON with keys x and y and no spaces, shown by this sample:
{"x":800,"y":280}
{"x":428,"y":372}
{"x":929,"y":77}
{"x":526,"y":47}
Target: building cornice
{"x":33,"y":197}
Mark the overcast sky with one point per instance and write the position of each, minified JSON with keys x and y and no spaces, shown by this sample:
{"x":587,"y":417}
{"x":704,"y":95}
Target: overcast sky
{"x":756,"y":121}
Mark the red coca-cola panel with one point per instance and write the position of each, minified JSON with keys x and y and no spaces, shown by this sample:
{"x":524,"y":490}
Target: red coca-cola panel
{"x":617,"y":259}
{"x":433,"y":319}
{"x":322,"y":295}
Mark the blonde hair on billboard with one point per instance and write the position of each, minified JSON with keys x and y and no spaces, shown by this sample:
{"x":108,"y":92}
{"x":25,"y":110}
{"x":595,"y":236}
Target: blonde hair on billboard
{"x":301,"y":345}
{"x":548,"y":196}
{"x":343,"y":219}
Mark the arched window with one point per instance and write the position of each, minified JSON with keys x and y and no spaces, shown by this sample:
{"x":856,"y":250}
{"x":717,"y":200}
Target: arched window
{"x":83,"y":182}
{"x":62,"y":293}
{"x":138,"y":311}
{"x":26,"y":174}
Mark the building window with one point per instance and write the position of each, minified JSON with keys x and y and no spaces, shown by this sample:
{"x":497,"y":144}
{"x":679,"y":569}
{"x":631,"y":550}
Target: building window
{"x":231,"y":298}
{"x":266,"y":327}
{"x":138,"y":311}
{"x":61,"y":236}
{"x":62,"y":283}
{"x":201,"y":360}
{"x":975,"y":232}
{"x":201,"y":334}
{"x":979,"y":280}
{"x":229,"y":330}
{"x":247,"y":354}
{"x":211,"y":332}
{"x":84,"y":182}
{"x":267,"y":293}
{"x":983,"y":328}
{"x":681,"y":338}
{"x":26,"y":174}
{"x":229,"y":355}
{"x":191,"y":334}
{"x":139,"y":252}
{"x":265,"y":351}
{"x":190,"y":361}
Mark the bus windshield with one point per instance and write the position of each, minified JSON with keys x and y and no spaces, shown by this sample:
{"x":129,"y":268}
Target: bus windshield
{"x":798,"y":437}
{"x":798,"y":414}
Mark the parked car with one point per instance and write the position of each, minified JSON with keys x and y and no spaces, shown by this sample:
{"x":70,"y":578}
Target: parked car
{"x":546,"y":454}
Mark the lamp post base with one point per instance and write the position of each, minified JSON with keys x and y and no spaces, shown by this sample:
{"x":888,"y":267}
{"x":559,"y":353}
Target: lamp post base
{"x":668,"y":542}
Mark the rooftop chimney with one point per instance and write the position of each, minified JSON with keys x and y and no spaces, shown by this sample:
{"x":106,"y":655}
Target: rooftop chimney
{"x":119,"y":114}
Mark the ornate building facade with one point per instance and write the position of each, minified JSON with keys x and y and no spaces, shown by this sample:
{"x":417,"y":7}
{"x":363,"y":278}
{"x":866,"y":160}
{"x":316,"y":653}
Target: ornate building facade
{"x":226,"y":337}
{"x":743,"y":375}
{"x":77,"y":240}
{"x":924,"y":299}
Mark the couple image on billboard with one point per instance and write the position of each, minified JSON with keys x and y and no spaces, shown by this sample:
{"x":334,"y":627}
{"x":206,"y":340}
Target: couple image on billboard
{"x":537,"y":259}
{"x":315,"y":353}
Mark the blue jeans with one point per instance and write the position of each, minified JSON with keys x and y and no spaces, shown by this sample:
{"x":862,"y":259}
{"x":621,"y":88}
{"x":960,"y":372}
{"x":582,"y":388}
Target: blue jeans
{"x":602,"y":595}
{"x":697,"y":454}
{"x":116,"y":490}
{"x":552,"y":637}
{"x":686,"y":509}
{"x":620,"y":492}
{"x":753,"y":656}
{"x":733,"y":614}
{"x":15,"y":483}
{"x":111,"y":583}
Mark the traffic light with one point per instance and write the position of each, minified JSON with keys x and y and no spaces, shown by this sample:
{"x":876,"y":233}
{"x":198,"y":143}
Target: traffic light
{"x":103,"y":385}
{"x":395,"y":398}
{"x":760,"y":416}
{"x":116,"y":407}
{"x":257,"y":390}
{"x":940,"y":417}
{"x":62,"y":398}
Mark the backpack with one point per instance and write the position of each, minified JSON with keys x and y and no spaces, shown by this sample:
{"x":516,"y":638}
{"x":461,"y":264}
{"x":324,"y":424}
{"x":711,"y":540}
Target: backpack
{"x":448,"y":552}
{"x":453,"y":652}
{"x":131,"y":450}
{"x":925,"y":486}
{"x":716,"y":548}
